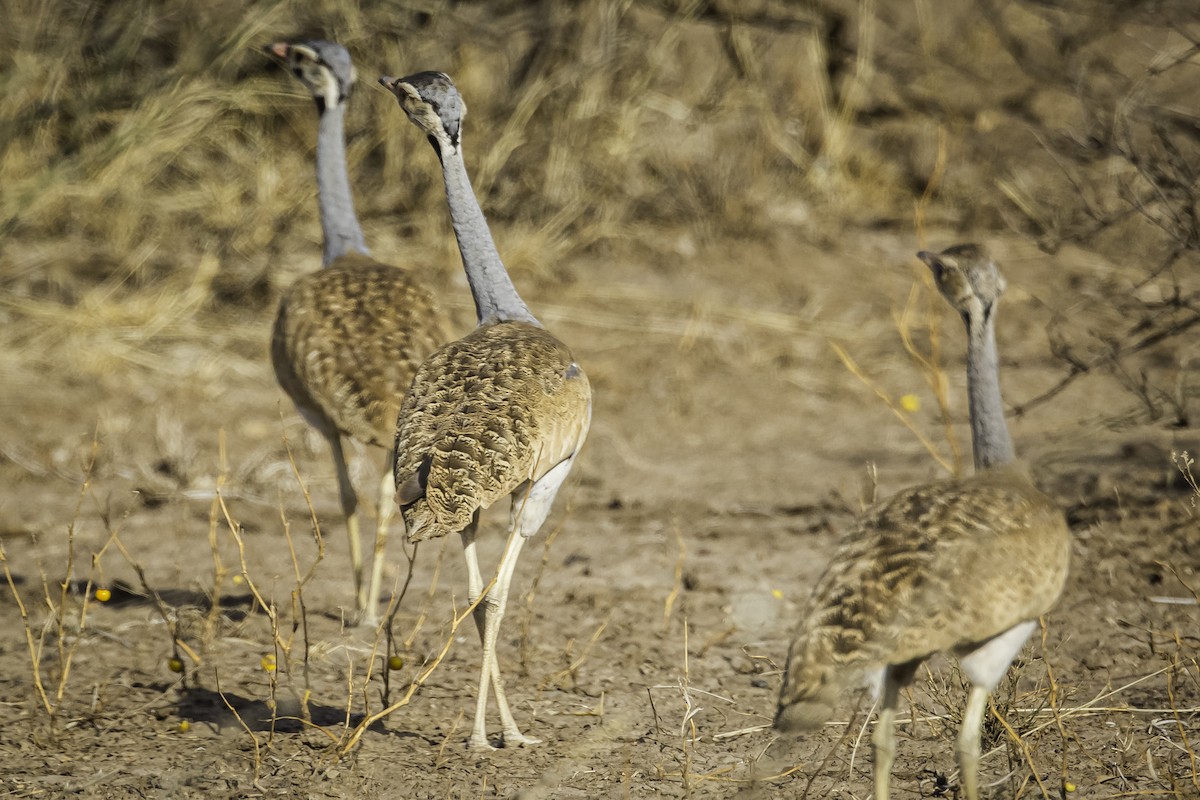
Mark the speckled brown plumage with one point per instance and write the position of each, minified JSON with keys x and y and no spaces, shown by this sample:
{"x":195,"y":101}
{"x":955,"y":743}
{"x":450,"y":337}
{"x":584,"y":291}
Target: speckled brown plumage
{"x":965,"y":566}
{"x":944,"y":566}
{"x":501,"y":412}
{"x":348,"y":340}
{"x":497,"y":408}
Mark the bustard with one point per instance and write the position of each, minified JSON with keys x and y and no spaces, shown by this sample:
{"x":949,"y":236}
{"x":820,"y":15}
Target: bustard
{"x":349,"y":337}
{"x":502,"y":411}
{"x":965,"y":566}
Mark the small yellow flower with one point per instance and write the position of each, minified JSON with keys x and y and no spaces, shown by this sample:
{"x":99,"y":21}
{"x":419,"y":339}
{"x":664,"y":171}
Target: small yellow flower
{"x":238,"y":580}
{"x":777,"y":594}
{"x":103,"y":595}
{"x":174,"y":664}
{"x":184,"y":726}
{"x":1070,"y":787}
{"x":268,"y":663}
{"x":910,"y":403}
{"x":395,"y":663}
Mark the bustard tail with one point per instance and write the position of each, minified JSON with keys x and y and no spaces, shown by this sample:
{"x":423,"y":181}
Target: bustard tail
{"x":810,"y":692}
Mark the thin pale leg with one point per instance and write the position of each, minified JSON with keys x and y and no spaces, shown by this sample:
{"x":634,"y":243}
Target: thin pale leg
{"x":482,"y":612}
{"x":892,"y":679}
{"x":387,"y":510}
{"x":883,"y":739}
{"x":491,"y":663}
{"x":474,"y":576}
{"x":984,"y":666}
{"x":479,"y":739}
{"x":968,"y":742}
{"x":529,"y":510}
{"x":350,"y":510}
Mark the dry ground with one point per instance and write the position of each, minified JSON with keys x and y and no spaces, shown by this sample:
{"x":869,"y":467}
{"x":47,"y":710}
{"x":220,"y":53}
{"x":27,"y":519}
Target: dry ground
{"x":707,"y":202}
{"x":647,"y":632}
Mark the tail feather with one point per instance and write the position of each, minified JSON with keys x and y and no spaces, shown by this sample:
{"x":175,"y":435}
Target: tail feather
{"x":812,"y":686}
{"x":807,"y":708}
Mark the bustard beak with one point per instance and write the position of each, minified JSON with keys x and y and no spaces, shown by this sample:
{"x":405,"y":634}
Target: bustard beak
{"x":279,"y":49}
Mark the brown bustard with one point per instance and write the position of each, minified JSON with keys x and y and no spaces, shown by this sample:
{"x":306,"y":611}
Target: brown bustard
{"x":964,"y":566}
{"x":500,"y":413}
{"x":349,"y":337}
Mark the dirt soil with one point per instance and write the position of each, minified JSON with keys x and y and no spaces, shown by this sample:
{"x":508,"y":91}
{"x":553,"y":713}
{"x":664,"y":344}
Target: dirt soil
{"x":649,"y":620}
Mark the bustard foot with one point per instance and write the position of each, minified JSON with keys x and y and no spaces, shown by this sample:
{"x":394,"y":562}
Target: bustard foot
{"x":480,"y":744}
{"x":518,"y":739}
{"x":364,"y":617}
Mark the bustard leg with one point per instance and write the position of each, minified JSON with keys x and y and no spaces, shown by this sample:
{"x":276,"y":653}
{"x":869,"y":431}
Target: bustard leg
{"x":883,"y":738}
{"x":968,"y":742}
{"x":387,"y":509}
{"x":487,"y":677}
{"x":350,"y":511}
{"x":984,"y":666}
{"x":488,"y":614}
{"x":529,"y":510}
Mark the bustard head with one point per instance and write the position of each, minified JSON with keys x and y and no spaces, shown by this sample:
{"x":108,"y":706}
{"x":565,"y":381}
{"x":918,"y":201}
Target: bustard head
{"x":433,"y":104}
{"x":324,"y":67}
{"x":968,"y":278}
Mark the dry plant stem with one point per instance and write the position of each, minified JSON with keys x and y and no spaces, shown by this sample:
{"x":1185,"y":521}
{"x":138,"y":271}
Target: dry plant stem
{"x":857,"y":372}
{"x":931,"y":365}
{"x":390,"y":620}
{"x":858,"y":737}
{"x":1025,"y":751}
{"x":677,"y":582}
{"x":352,"y":741}
{"x":1053,"y":702}
{"x":242,"y":722}
{"x":219,"y":574}
{"x":66,"y":652}
{"x":160,"y":606}
{"x":1184,"y":463}
{"x":1183,"y":737}
{"x":741,"y":48}
{"x":427,"y":603}
{"x":441,"y":753}
{"x":1113,"y":357}
{"x":299,"y":609}
{"x":301,"y":613}
{"x":59,"y":612}
{"x":1190,"y":589}
{"x":688,"y":743}
{"x":35,"y":662}
{"x":572,"y":668}
{"x":283,"y":646}
{"x":931,"y":187}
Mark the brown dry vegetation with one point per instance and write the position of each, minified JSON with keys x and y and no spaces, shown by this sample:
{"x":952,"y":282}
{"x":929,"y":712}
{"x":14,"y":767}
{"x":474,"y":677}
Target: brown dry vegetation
{"x":700,"y":197}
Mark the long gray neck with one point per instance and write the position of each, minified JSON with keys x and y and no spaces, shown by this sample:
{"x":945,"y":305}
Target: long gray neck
{"x":989,"y":432}
{"x":496,"y":298}
{"x":342,"y":234}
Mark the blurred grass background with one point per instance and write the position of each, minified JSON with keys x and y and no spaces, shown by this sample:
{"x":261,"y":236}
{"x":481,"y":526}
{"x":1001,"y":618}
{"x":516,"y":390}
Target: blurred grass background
{"x":156,"y":167}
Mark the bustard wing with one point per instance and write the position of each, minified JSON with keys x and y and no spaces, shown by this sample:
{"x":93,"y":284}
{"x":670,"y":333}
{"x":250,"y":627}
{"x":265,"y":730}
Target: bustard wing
{"x":485,"y":414}
{"x":348,"y":340}
{"x":933,"y":568}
